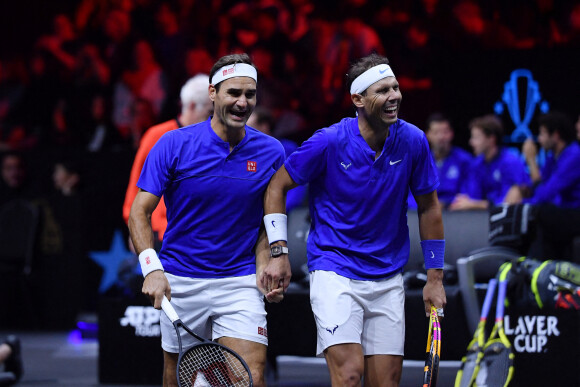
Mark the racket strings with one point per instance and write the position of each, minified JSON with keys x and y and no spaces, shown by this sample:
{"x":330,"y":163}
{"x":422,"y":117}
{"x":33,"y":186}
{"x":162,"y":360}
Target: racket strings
{"x":212,"y":366}
{"x":495,"y":368}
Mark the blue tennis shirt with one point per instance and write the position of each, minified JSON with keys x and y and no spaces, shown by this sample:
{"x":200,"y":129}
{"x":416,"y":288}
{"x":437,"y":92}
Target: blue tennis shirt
{"x":492,"y":180}
{"x":214,"y":198}
{"x":561,"y":180}
{"x":453,"y":172}
{"x":358,"y":204}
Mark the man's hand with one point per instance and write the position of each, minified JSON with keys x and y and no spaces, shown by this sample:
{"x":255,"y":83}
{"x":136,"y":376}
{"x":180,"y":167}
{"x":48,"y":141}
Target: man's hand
{"x":155,"y":287}
{"x":276,"y":274}
{"x":460,"y":202}
{"x":275,"y":295}
{"x":433,"y":291}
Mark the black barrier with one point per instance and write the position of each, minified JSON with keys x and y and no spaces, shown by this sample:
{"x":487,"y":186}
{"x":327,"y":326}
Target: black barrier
{"x":129,"y":342}
{"x":546,"y":347}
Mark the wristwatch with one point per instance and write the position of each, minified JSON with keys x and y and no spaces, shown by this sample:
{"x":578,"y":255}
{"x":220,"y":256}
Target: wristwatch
{"x":276,"y":251}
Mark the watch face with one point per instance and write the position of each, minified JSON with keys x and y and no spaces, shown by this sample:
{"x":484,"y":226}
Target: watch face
{"x":276,"y":251}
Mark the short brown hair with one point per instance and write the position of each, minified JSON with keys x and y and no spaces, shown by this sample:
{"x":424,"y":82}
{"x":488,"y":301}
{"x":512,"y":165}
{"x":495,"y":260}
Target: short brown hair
{"x":490,"y":125}
{"x":362,"y":65}
{"x":228,"y":60}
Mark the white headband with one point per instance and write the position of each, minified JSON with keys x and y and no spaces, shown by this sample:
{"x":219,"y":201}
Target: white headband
{"x":234,"y":70}
{"x":372,"y":75}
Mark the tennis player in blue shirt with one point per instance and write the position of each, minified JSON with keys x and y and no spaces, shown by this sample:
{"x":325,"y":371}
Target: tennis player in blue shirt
{"x":493,"y":172}
{"x":213,"y":176}
{"x":556,"y":189}
{"x":359,"y":172}
{"x":453,"y":163}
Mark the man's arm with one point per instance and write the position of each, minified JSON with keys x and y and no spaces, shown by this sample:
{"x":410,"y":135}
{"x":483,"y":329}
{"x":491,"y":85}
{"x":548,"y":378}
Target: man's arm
{"x":530,"y":153}
{"x":155,"y":284}
{"x":432,"y":236}
{"x":278,"y":270}
{"x":464,"y":202}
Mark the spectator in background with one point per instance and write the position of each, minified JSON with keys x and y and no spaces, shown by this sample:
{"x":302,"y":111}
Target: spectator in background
{"x":144,"y":80}
{"x":34,"y":111}
{"x":60,"y":265}
{"x":11,"y":358}
{"x":453,"y":163}
{"x":275,"y":94}
{"x":91,"y":78}
{"x":195,"y":107}
{"x":556,"y":187}
{"x":198,"y":60}
{"x":62,"y":46}
{"x":100,"y":133}
{"x":142,"y":118}
{"x":117,"y":41}
{"x":12,"y":93}
{"x":494,"y":170}
{"x":572,"y":36}
{"x":471,"y":30}
{"x":170,"y":46}
{"x":14,"y":183}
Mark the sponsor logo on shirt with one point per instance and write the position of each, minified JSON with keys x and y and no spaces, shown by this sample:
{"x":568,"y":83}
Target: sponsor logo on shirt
{"x":332,"y":330}
{"x":263,"y":331}
{"x":452,"y":173}
{"x":252,"y":166}
{"x":345,"y":166}
{"x":395,"y":162}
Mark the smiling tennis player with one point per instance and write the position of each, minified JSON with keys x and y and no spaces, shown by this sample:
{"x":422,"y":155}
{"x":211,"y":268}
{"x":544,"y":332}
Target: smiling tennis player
{"x":359,"y":172}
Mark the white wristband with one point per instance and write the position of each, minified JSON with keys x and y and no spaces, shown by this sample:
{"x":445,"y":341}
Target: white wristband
{"x":276,"y":227}
{"x":149,"y":261}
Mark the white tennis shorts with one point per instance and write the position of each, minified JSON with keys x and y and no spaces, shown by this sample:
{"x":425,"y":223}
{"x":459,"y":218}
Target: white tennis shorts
{"x":214,"y":308}
{"x":370,"y":313}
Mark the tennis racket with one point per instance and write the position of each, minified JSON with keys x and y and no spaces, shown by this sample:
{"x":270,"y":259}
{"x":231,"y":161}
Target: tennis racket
{"x":470,"y":362}
{"x":433,"y":350}
{"x":206,"y":364}
{"x":497,"y":363}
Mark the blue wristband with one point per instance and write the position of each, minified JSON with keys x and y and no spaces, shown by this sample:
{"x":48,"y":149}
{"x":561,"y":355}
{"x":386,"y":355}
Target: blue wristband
{"x":433,"y":253}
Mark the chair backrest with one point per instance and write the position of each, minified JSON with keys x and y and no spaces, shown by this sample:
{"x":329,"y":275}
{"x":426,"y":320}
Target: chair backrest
{"x":18,"y":223}
{"x":465,"y":231}
{"x":298,"y":229}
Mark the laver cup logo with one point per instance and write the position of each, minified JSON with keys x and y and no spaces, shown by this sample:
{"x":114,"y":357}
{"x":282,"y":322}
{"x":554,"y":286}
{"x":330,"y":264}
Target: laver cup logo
{"x":531,"y":333}
{"x":145,"y":320}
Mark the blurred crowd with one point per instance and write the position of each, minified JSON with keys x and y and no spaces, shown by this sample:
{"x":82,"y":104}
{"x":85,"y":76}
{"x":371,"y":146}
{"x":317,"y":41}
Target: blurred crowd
{"x":106,"y":71}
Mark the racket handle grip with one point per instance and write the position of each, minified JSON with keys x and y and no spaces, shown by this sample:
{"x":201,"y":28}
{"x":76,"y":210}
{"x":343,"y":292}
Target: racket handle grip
{"x":169,"y":310}
{"x":501,"y":299}
{"x":488,"y":298}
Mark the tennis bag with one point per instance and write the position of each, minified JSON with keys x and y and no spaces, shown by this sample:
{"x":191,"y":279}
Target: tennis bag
{"x":512,"y":225}
{"x":551,"y":284}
